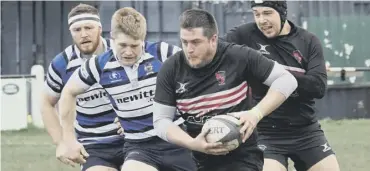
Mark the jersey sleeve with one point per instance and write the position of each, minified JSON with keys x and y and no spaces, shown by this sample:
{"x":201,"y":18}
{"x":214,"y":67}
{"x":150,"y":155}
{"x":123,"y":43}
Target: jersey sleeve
{"x":88,"y":74}
{"x":313,"y":82}
{"x":166,"y":50}
{"x":257,"y":66}
{"x":165,"y":86}
{"x":54,"y":77}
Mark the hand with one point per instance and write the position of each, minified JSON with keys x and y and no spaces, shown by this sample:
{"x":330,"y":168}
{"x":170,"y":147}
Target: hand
{"x":61,"y":154}
{"x":200,"y":144}
{"x":249,"y":120}
{"x":120,"y":130}
{"x":75,"y":152}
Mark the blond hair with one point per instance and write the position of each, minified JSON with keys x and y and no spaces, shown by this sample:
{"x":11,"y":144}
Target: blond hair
{"x":130,"y":22}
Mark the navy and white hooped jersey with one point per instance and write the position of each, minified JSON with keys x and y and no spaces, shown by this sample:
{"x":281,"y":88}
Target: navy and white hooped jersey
{"x":95,"y":115}
{"x":131,"y":89}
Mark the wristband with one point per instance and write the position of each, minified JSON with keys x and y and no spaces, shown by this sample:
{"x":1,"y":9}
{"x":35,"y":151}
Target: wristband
{"x":257,"y":112}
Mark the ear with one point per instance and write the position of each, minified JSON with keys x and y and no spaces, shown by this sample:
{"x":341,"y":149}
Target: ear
{"x":111,"y":35}
{"x":100,"y":30}
{"x":214,"y":39}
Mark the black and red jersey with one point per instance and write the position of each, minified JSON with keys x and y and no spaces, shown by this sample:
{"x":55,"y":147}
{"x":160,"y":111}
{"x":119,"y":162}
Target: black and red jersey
{"x":300,"y":52}
{"x":218,"y":88}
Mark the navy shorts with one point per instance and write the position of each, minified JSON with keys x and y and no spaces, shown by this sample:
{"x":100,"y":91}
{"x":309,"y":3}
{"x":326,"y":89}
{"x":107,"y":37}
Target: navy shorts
{"x":160,"y":154}
{"x":104,"y":155}
{"x":247,"y":157}
{"x":305,"y":146}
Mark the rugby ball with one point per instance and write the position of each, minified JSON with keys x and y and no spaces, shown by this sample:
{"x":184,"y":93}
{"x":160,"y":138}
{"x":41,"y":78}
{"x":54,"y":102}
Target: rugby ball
{"x":225,"y":129}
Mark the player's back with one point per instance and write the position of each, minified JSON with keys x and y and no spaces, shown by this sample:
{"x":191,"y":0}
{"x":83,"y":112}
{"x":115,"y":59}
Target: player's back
{"x":131,"y":89}
{"x":94,"y":113}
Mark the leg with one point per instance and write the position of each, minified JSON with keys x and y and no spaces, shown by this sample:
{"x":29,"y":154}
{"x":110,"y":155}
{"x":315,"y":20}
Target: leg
{"x":100,"y":159}
{"x":247,"y":157}
{"x":139,"y":157}
{"x":178,"y":159}
{"x":133,"y":165}
{"x":329,"y":163}
{"x":315,"y":153}
{"x":101,"y":168}
{"x":319,"y":158}
{"x":275,"y":162}
{"x":275,"y":156}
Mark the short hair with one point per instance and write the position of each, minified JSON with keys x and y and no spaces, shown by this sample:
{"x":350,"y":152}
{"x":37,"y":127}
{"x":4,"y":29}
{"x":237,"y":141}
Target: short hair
{"x":130,"y":22}
{"x":83,"y":9}
{"x":195,"y":18}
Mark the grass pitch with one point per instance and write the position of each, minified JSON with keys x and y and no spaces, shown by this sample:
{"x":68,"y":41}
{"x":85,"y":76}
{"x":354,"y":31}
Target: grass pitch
{"x":32,"y":149}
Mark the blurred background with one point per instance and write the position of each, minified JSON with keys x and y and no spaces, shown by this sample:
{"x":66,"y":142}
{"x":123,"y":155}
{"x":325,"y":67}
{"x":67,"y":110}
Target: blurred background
{"x":33,"y":32}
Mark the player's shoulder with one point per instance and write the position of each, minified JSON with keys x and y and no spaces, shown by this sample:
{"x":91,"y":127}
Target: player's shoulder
{"x":175,"y":61}
{"x":61,"y":60}
{"x":233,"y":50}
{"x":246,"y":29}
{"x":309,"y":39}
{"x":160,"y":49}
{"x":305,"y":35}
{"x":102,"y":59}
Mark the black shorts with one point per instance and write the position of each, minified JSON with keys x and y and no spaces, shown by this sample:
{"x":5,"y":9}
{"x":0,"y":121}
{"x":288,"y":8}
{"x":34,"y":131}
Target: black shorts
{"x":104,"y":155}
{"x":247,"y":157}
{"x":160,"y":154}
{"x":304,"y":146}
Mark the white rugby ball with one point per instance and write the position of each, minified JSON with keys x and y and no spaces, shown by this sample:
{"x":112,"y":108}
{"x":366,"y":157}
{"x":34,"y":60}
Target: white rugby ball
{"x":225,"y":129}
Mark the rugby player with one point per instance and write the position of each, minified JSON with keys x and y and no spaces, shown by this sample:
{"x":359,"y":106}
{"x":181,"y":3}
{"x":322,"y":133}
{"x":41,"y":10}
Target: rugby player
{"x":210,"y":78}
{"x":292,"y":131}
{"x":128,"y":73}
{"x":96,"y":132}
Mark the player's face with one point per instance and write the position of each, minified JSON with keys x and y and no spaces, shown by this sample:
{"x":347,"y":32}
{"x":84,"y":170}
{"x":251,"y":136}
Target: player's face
{"x":268,"y":21}
{"x":86,"y":36}
{"x":128,"y":50}
{"x":197,"y":48}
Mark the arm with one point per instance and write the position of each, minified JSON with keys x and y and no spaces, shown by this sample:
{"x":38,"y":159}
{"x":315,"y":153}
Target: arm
{"x":272,"y":74}
{"x":313,"y":83}
{"x":50,"y":117}
{"x":164,"y":112}
{"x":163,"y":116}
{"x":81,"y":80}
{"x":49,"y":98}
{"x":165,"y":107}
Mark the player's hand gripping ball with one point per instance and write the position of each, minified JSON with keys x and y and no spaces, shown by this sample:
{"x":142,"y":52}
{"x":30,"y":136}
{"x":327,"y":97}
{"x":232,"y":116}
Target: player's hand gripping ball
{"x":225,"y":129}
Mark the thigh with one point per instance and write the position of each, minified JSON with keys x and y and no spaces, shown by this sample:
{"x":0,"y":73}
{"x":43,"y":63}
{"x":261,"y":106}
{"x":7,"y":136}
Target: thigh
{"x":134,"y":165}
{"x":102,"y":157}
{"x":274,"y":164}
{"x":329,"y":163}
{"x":101,"y":168}
{"x":319,"y":149}
{"x":178,"y":159}
{"x":275,"y":152}
{"x":140,"y":154}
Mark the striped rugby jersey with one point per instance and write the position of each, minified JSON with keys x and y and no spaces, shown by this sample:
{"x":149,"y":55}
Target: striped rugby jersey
{"x":95,"y":115}
{"x":131,"y":89}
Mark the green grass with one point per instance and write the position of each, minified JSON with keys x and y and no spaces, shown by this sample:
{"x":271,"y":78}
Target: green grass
{"x":32,"y":150}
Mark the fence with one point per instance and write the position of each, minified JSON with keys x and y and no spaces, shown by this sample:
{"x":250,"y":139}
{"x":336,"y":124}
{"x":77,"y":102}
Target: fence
{"x":34,"y":32}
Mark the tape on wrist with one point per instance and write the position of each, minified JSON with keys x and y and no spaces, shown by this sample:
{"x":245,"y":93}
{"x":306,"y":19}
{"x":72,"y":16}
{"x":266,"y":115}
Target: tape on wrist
{"x":257,"y":112}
